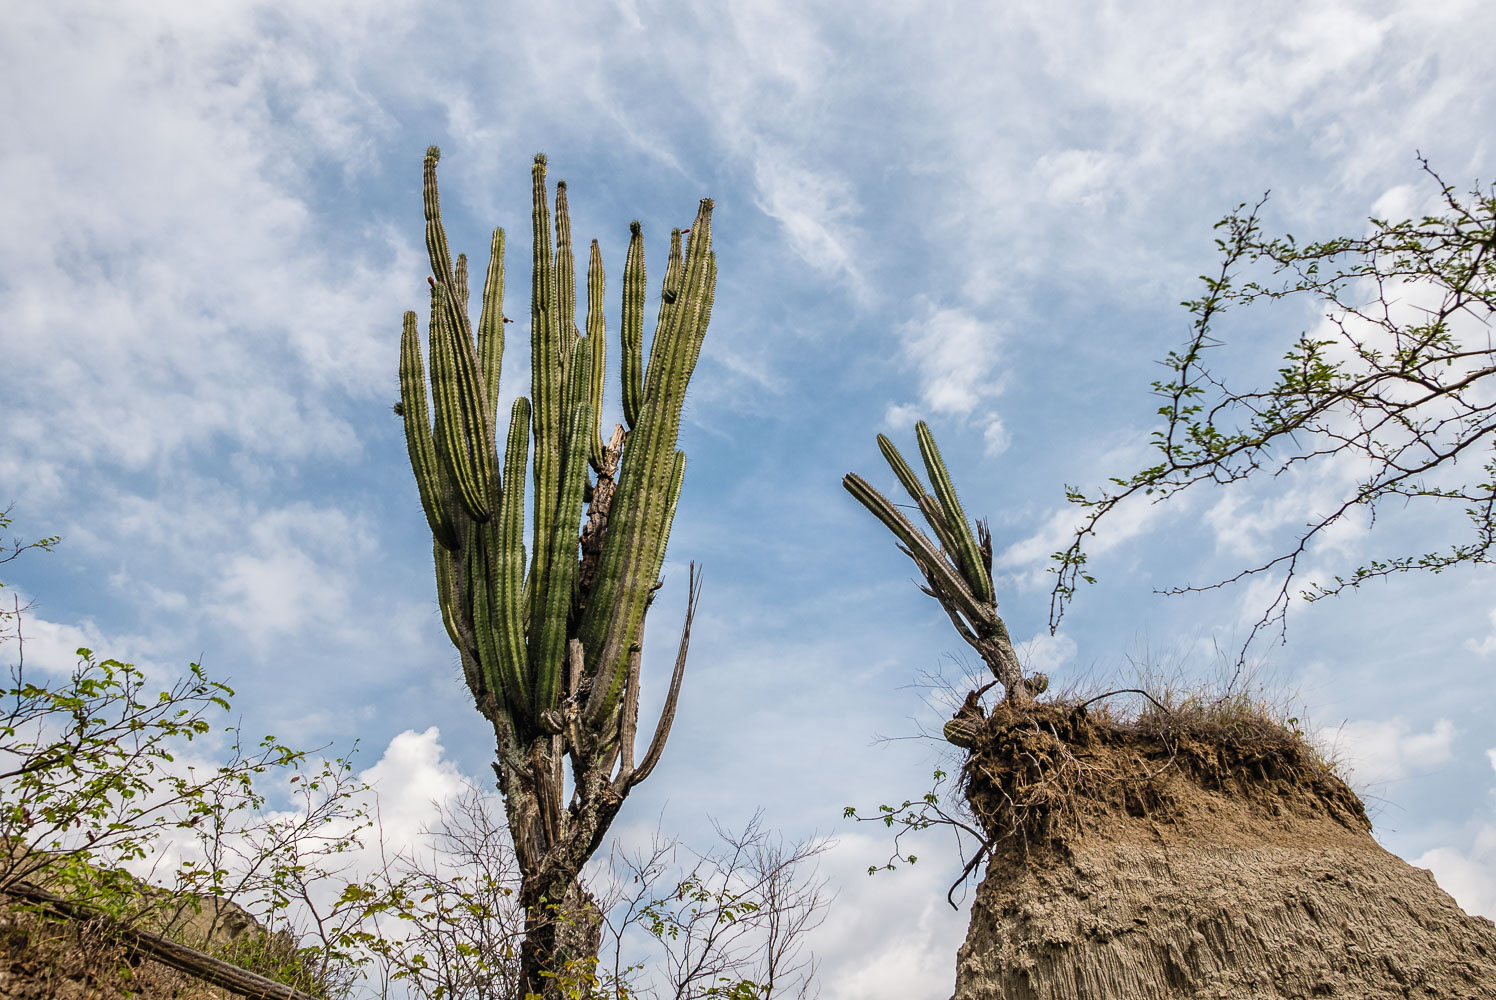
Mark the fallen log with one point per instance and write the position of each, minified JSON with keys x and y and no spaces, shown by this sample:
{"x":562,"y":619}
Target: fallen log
{"x":213,"y":971}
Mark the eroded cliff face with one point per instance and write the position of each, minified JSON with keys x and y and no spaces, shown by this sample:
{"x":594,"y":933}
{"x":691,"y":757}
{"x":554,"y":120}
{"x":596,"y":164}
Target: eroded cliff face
{"x":1194,"y":860}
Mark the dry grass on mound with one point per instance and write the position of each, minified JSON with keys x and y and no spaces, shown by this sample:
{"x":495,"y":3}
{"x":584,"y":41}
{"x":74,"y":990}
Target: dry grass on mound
{"x":1069,"y":767}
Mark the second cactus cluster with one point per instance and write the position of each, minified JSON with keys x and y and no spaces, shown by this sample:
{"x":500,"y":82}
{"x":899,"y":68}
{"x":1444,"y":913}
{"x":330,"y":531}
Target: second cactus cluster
{"x":955,"y":561}
{"x":548,"y":635}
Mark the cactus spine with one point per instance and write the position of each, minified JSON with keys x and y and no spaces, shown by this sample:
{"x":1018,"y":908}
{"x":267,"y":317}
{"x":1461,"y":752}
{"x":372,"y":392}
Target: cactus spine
{"x":550,"y":645}
{"x":956,"y":564}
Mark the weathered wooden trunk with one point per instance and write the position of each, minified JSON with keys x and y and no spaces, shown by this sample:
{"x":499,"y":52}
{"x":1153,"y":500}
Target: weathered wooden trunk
{"x":1206,"y":859}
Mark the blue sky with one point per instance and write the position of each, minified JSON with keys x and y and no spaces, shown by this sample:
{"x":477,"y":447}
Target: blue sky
{"x":979,"y":215}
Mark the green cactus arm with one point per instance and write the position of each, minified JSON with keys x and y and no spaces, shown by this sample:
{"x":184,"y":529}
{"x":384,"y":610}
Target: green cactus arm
{"x":485,"y":624}
{"x":667,"y":714}
{"x":418,"y":442}
{"x":687,"y":320}
{"x":703,"y":312}
{"x":631,"y":330}
{"x":597,"y":329}
{"x":648,"y":459}
{"x":670,"y":300}
{"x":566,"y":273}
{"x":460,"y":284}
{"x":436,"y":234}
{"x":508,"y":561}
{"x":440,"y":254}
{"x":555,"y":589}
{"x":919,"y":548}
{"x":672,"y":501}
{"x":465,"y":438}
{"x":545,"y":373}
{"x":615,"y":685}
{"x":596,"y":321}
{"x":599,"y":350}
{"x":968,"y":557}
{"x":491,"y":325}
{"x":935,"y":518}
{"x":916,"y":490}
{"x":446,"y":592}
{"x":633,"y":530}
{"x":901,"y":469}
{"x":637,"y":523}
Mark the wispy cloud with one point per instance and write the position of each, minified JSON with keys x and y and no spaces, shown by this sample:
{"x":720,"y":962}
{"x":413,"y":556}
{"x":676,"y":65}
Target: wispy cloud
{"x":1382,"y":751}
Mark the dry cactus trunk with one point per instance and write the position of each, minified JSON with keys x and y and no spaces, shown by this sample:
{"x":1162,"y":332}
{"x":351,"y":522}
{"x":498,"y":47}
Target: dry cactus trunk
{"x":550,"y":646}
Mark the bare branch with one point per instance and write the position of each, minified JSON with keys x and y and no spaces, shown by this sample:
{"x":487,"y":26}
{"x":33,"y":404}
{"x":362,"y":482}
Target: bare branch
{"x":667,"y":713}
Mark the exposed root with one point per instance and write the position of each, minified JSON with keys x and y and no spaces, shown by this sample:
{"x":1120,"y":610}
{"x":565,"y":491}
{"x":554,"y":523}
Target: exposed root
{"x":1038,"y":775}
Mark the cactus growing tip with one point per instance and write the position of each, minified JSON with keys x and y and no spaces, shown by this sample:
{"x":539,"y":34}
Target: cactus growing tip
{"x":433,"y":153}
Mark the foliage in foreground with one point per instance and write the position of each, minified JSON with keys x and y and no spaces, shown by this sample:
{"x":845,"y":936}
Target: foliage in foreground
{"x":110,"y":797}
{"x":100,"y":801}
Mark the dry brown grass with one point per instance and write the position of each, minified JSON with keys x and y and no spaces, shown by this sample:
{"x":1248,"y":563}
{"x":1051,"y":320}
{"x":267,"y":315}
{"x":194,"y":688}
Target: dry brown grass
{"x":1091,"y":761}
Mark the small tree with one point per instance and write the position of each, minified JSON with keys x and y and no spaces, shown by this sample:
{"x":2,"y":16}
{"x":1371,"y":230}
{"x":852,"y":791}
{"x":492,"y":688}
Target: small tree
{"x":730,"y":922}
{"x":552,"y":653}
{"x":1404,"y":390}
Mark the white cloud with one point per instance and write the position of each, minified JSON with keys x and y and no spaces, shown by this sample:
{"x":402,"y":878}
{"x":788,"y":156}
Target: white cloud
{"x":52,"y":646}
{"x":955,"y":354}
{"x":890,"y":934}
{"x":1487,"y":646}
{"x":1047,"y":653}
{"x":900,"y":416}
{"x":1378,"y":752}
{"x":1252,"y":521}
{"x":1027,"y":560}
{"x":1467,"y":875}
{"x":296,"y":571}
{"x":995,"y":437}
{"x":412,"y":779}
{"x":1079,"y":176}
{"x":816,"y":209}
{"x":166,"y":292}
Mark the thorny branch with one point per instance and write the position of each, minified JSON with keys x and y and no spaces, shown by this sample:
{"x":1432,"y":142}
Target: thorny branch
{"x":1399,"y":392}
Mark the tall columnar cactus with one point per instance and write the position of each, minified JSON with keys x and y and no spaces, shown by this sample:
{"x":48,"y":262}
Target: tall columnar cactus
{"x":956,"y":563}
{"x":550,"y":645}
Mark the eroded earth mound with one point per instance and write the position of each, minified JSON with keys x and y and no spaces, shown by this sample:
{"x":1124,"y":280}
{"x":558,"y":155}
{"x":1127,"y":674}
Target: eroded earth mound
{"x":1204,"y":854}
